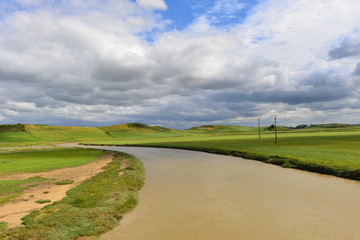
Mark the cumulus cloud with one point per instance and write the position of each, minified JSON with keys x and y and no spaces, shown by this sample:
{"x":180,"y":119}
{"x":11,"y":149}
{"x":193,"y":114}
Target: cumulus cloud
{"x":349,"y":47}
{"x":152,"y":4}
{"x":357,"y":69}
{"x":82,"y":62}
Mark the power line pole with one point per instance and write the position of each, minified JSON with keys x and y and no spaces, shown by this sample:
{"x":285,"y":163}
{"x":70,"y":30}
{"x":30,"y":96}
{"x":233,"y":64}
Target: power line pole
{"x":259,"y":129}
{"x":276,"y":139}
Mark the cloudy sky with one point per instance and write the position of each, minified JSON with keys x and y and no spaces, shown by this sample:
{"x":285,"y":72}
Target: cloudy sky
{"x":179,"y":63}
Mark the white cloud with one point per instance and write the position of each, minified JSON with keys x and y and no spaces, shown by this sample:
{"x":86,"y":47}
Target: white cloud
{"x":298,"y":32}
{"x":20,"y":106}
{"x":152,"y":4}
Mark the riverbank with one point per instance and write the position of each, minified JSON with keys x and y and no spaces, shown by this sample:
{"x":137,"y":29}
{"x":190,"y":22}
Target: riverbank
{"x":344,"y":170}
{"x":91,"y":208}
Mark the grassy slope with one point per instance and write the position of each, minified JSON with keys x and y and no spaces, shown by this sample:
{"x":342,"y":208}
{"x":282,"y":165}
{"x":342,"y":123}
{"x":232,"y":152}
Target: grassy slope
{"x":63,"y":134}
{"x":138,"y":130}
{"x":94,"y":207}
{"x":12,"y":128}
{"x":42,"y":134}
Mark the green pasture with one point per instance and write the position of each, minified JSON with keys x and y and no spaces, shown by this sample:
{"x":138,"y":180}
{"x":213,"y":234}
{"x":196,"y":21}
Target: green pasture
{"x":44,"y":160}
{"x":38,"y":161}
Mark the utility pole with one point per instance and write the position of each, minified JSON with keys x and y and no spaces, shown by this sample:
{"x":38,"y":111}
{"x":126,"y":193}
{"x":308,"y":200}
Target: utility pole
{"x":276,"y":139}
{"x":259,"y":129}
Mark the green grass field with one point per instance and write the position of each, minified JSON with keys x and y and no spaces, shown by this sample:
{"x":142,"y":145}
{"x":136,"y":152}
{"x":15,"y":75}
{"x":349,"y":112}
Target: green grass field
{"x":37,"y":161}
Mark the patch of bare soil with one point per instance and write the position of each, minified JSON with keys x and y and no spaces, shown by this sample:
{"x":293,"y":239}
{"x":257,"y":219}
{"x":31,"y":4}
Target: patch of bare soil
{"x":13,"y":212}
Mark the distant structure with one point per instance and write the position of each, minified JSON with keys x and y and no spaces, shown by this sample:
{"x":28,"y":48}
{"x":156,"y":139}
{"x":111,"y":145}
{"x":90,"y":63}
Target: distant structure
{"x":276,"y":138}
{"x":259,"y":129}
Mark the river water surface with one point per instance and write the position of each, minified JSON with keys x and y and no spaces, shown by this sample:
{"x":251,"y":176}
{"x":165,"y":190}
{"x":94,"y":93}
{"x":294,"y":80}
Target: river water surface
{"x":198,"y":196}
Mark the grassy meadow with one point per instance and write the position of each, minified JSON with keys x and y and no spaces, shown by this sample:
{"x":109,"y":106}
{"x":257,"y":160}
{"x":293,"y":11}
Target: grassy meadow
{"x":45,"y":160}
{"x":38,"y":161}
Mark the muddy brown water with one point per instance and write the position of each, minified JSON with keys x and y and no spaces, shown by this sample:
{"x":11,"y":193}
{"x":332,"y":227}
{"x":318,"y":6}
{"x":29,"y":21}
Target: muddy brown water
{"x":198,"y":196}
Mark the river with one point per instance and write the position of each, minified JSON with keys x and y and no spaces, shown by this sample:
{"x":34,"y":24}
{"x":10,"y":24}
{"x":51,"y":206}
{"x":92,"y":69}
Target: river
{"x":198,"y":196}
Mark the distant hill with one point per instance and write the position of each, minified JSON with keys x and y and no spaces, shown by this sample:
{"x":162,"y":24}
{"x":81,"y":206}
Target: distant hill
{"x":139,"y":129}
{"x":57,"y":133}
{"x":278,"y":128}
{"x":19,"y":134}
{"x":214,"y":129}
{"x":135,"y":127}
{"x":12,"y":128}
{"x":331,"y":125}
{"x":22,"y":134}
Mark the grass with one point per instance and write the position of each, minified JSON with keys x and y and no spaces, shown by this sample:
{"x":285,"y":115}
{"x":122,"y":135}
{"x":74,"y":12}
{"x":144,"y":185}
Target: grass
{"x":92,"y":208}
{"x":11,"y":135}
{"x":38,"y":161}
{"x":12,"y":128}
{"x":64,"y":182}
{"x":12,"y":189}
{"x":29,"y":135}
{"x":3,"y":226}
{"x":42,"y":201}
{"x":331,"y":152}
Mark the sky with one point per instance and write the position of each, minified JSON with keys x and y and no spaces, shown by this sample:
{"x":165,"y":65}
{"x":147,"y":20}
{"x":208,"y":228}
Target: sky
{"x":179,"y":63}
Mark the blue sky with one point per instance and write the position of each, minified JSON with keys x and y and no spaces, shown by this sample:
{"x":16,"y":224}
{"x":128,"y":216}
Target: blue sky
{"x":179,"y":63}
{"x":223,"y":13}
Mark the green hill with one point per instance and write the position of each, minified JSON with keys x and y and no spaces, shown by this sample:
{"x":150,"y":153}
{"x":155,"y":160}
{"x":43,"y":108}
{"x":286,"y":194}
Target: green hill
{"x":222,"y":129}
{"x":24,"y":135}
{"x":332,"y":125}
{"x":12,"y":128}
{"x":55,"y":133}
{"x":138,"y":130}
